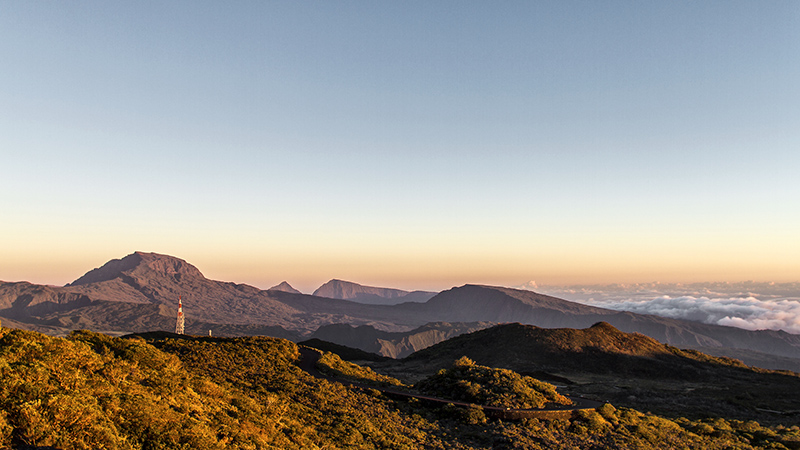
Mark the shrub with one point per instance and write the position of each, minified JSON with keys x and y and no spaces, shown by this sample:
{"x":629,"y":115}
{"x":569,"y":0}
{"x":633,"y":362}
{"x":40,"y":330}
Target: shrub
{"x":609,"y":413}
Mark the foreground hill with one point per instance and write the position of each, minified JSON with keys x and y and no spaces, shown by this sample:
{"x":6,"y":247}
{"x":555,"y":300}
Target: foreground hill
{"x":140,"y":291}
{"x":93,"y":391}
{"x":626,"y":368}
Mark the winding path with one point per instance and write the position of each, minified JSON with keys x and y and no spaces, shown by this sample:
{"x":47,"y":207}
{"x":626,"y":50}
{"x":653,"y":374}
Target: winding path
{"x":308,"y":363}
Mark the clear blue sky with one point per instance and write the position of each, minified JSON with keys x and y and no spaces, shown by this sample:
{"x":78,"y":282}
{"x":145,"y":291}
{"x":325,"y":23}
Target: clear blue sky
{"x":412,"y":144}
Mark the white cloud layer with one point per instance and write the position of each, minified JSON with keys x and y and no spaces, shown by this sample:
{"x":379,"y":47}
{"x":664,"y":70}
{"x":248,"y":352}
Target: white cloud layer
{"x":748,"y":305}
{"x":749,"y":313}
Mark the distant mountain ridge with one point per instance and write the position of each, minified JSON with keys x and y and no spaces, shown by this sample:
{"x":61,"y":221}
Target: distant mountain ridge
{"x":140,"y":291}
{"x":347,"y":290}
{"x":394,"y":344}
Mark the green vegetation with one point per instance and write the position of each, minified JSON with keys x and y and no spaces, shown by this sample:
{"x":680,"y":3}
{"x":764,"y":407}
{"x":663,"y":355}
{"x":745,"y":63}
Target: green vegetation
{"x":481,"y":385}
{"x":313,"y":413}
{"x":92,"y":391}
{"x":332,"y":365}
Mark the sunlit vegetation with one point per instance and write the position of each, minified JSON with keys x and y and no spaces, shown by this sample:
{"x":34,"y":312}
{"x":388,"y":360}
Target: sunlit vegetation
{"x":91,"y":391}
{"x":472,"y":383}
{"x":331,"y":364}
{"x":313,"y":413}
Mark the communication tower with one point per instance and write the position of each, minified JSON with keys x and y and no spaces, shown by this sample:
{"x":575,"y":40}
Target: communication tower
{"x":179,"y":325}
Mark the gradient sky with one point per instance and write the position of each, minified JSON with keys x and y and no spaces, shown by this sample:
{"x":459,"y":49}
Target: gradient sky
{"x":404,"y":144}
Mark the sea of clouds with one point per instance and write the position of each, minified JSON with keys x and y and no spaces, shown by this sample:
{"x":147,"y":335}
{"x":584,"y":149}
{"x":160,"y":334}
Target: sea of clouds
{"x":749,"y":313}
{"x":752,"y":306}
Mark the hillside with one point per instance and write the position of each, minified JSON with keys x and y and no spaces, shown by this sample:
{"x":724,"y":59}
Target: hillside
{"x":628,"y":369}
{"x":601,"y":347}
{"x":166,"y":391}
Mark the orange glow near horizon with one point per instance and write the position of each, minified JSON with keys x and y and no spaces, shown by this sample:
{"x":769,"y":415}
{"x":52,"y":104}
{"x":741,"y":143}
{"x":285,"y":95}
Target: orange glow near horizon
{"x":439,"y":268}
{"x":433,"y":259}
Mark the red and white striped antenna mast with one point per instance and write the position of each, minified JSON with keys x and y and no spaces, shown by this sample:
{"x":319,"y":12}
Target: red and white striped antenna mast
{"x":179,"y":325}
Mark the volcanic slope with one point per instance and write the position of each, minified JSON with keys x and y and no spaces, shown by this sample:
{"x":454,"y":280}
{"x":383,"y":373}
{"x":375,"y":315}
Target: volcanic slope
{"x":627,"y":369}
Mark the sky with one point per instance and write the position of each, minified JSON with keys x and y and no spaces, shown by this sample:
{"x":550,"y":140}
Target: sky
{"x":417,"y":145}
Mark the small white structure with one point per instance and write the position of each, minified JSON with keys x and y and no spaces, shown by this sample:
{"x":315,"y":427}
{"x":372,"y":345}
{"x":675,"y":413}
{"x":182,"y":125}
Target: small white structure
{"x":179,"y":325}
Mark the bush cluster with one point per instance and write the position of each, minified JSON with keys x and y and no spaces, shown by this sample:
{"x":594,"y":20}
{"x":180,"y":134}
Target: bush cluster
{"x":472,"y":383}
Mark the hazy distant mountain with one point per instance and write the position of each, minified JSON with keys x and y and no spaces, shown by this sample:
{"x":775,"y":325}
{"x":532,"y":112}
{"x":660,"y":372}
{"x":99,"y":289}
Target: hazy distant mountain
{"x":346,"y":290}
{"x":285,"y":287}
{"x":140,"y":293}
{"x":394,"y":344}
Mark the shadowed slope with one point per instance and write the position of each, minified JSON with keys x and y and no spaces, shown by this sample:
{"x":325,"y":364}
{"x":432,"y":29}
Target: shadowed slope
{"x":599,"y":348}
{"x":627,"y":369}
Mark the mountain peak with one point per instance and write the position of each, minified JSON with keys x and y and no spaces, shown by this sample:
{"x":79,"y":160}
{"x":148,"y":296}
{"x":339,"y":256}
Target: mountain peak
{"x":347,"y":290}
{"x":139,"y":262}
{"x":285,"y":287}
